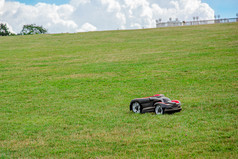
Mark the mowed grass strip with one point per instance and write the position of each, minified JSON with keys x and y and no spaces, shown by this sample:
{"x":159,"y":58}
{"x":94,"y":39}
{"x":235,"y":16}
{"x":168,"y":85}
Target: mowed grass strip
{"x":68,"y":95}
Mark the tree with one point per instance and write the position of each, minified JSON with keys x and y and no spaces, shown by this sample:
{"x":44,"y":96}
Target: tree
{"x":4,"y":30}
{"x":33,"y":29}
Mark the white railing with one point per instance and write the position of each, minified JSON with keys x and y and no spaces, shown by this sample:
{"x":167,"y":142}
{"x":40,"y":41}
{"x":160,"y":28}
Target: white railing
{"x":198,"y":22}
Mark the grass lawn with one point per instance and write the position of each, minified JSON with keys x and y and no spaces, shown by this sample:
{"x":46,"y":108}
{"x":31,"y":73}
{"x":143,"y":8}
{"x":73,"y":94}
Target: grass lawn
{"x":68,"y":95}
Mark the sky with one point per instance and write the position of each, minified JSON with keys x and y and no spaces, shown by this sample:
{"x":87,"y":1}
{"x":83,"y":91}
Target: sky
{"x":62,"y":16}
{"x":224,"y":8}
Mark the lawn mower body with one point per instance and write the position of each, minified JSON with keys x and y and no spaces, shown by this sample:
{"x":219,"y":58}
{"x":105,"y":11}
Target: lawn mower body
{"x":148,"y":104}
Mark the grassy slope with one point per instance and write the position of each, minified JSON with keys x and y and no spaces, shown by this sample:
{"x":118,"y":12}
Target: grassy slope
{"x":67,"y":95}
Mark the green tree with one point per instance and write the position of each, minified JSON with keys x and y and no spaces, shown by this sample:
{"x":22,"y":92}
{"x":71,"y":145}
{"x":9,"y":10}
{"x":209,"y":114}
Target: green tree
{"x":4,"y":30}
{"x":33,"y":29}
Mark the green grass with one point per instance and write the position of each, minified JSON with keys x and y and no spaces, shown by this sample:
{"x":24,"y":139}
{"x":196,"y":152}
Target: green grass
{"x":68,"y":95}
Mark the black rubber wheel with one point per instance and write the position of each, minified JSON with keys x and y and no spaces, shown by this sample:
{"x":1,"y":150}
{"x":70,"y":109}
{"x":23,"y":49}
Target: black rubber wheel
{"x":159,"y":110}
{"x":136,"y":107}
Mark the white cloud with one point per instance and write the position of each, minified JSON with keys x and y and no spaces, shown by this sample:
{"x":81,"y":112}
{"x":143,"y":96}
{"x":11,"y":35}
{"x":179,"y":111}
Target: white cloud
{"x":112,"y":5}
{"x":54,"y":18}
{"x":1,"y":5}
{"x":91,"y":15}
{"x":79,"y":2}
{"x":87,"y":27}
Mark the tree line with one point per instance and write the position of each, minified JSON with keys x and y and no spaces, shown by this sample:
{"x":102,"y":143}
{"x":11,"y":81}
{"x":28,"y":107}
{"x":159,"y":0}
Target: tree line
{"x":29,"y":29}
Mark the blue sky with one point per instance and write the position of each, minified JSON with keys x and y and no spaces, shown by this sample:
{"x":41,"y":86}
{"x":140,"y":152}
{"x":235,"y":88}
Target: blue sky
{"x":32,"y":2}
{"x":224,"y":8}
{"x":97,"y":15}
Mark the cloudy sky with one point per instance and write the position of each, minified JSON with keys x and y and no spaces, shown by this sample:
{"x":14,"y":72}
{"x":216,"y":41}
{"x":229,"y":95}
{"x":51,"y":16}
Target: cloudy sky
{"x":60,"y":16}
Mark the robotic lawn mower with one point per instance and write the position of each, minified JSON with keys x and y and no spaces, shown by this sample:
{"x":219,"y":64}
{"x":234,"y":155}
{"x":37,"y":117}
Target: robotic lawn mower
{"x":157,"y":103}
